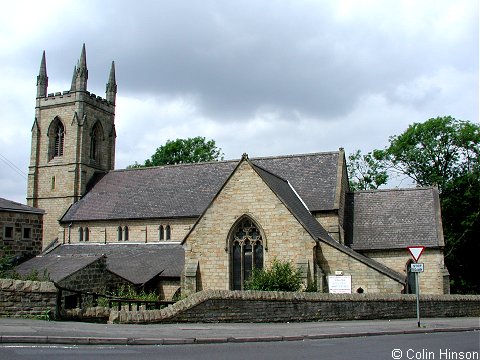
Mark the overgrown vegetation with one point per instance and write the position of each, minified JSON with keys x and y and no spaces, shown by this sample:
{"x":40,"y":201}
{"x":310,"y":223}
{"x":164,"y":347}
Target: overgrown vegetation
{"x":7,"y":268}
{"x":280,"y":277}
{"x":127,"y":292}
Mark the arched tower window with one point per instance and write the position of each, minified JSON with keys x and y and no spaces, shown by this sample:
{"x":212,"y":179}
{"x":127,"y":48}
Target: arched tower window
{"x":246,"y":251}
{"x":57,"y":138}
{"x":96,"y":138}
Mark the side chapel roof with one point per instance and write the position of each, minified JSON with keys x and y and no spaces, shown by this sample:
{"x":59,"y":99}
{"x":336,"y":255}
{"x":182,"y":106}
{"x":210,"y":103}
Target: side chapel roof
{"x":186,"y":190}
{"x":393,"y":219}
{"x":137,"y":263}
{"x":288,"y":195}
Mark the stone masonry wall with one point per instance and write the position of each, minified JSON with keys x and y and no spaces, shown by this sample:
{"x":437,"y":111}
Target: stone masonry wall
{"x":139,"y":231}
{"x":26,"y":298}
{"x":17,"y":244}
{"x":431,"y":281}
{"x":369,"y":279}
{"x":245,"y":194}
{"x":259,"y":306}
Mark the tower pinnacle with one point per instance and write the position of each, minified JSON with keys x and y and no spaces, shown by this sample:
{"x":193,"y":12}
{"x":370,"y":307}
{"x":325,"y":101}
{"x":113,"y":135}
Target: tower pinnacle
{"x":82,"y":72}
{"x":111,"y":89}
{"x":42,"y":78}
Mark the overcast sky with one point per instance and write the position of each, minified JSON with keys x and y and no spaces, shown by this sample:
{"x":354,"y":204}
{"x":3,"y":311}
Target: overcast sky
{"x":261,"y":77}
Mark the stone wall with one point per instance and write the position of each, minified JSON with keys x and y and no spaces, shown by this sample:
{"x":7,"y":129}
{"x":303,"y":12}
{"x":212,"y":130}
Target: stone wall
{"x":431,"y":281}
{"x":27,"y":298}
{"x":244,"y":194}
{"x":258,"y":306}
{"x":365,"y":277}
{"x":18,"y":244}
{"x":139,"y":231}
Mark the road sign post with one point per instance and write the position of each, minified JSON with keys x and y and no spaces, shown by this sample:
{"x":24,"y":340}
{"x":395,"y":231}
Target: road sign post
{"x":416,"y":252}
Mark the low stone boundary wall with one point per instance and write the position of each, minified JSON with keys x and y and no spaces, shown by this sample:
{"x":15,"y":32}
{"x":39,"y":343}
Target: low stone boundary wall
{"x":259,"y":306}
{"x":27,"y":298}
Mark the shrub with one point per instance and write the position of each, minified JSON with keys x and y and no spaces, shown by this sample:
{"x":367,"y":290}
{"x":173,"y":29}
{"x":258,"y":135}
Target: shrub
{"x":280,"y":277}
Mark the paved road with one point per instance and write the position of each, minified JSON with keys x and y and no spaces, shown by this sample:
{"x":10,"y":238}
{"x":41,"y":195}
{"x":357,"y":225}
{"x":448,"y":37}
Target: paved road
{"x":13,"y":330}
{"x":444,"y":345}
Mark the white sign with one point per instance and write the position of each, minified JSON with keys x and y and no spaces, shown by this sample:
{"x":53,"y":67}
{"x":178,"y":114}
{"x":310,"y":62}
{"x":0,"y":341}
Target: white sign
{"x":416,"y":267}
{"x":340,"y":284}
{"x":416,"y":251}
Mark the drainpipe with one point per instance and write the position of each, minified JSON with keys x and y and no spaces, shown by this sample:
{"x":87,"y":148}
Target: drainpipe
{"x":69,"y":231}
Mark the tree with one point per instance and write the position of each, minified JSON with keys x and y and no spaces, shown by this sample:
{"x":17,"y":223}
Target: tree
{"x":365,"y":172}
{"x":181,"y":151}
{"x":434,"y":152}
{"x":444,"y":152}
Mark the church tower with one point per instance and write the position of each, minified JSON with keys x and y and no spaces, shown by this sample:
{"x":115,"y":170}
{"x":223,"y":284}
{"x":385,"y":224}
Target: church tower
{"x":73,"y":141}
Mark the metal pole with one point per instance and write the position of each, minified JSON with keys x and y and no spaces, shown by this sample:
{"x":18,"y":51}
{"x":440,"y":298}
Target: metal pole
{"x":417,"y":290}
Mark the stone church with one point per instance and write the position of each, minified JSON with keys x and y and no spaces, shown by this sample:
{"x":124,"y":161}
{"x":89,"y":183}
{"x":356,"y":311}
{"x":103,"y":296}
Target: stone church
{"x":189,"y":227}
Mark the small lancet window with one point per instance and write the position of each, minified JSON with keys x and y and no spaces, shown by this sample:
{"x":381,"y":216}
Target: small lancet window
{"x":161,"y":234}
{"x":125,"y":233}
{"x":168,"y":231}
{"x":80,"y":234}
{"x":86,"y":234}
{"x":119,"y":233}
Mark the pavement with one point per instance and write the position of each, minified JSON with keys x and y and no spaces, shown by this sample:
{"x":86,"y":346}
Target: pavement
{"x":30,"y":331}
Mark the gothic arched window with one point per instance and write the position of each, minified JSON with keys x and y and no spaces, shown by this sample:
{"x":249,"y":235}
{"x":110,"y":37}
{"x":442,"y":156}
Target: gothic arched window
{"x":125,"y":233}
{"x":96,"y":138}
{"x":80,"y":234}
{"x":161,"y":235}
{"x":246,"y":252}
{"x":168,"y":232}
{"x":56,"y":134}
{"x":86,"y":236}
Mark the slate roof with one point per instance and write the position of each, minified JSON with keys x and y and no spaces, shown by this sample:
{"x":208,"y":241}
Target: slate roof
{"x":186,"y":190}
{"x":393,"y":219}
{"x":136,"y":263}
{"x":57,"y":267}
{"x":8,"y":205}
{"x":294,"y":203}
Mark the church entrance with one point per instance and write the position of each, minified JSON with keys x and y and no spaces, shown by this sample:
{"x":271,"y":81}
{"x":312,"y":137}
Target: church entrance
{"x":246,"y":251}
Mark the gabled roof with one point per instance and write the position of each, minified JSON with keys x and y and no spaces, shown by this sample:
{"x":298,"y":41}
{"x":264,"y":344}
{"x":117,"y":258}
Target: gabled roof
{"x":186,"y":190}
{"x":287,"y":194}
{"x":136,"y":263}
{"x":56,"y":267}
{"x":8,"y":205}
{"x":393,"y":219}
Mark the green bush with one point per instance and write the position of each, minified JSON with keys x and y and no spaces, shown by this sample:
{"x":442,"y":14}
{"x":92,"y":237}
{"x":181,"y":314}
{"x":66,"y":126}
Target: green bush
{"x":280,"y":277}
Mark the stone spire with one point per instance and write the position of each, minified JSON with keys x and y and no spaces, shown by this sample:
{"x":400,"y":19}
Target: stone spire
{"x":82,"y":72}
{"x":74,"y":78}
{"x":111,"y":91}
{"x":42,"y":78}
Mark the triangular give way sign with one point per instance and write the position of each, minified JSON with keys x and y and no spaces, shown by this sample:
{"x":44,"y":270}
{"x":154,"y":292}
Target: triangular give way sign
{"x":416,"y":251}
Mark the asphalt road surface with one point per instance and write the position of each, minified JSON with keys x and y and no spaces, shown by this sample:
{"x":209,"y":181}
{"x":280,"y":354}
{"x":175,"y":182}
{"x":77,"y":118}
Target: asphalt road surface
{"x":445,"y":346}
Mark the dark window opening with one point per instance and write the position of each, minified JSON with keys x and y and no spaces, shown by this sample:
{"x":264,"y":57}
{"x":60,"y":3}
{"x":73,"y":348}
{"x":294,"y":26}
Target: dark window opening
{"x":119,"y":233}
{"x":8,"y":232}
{"x":168,"y":232}
{"x":80,"y":234}
{"x":27,"y":233}
{"x":59,"y":138}
{"x":246,"y":252}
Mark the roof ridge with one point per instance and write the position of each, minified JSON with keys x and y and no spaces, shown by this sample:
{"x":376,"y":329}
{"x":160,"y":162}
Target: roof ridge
{"x":230,"y":161}
{"x":395,"y":189}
